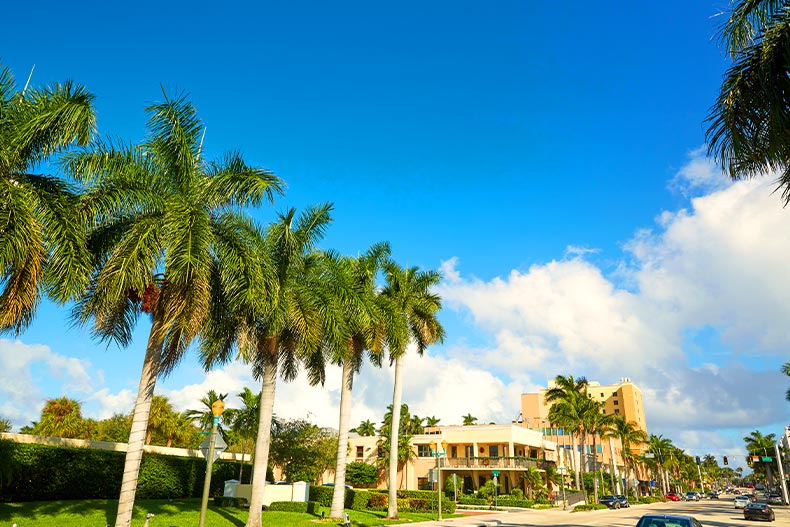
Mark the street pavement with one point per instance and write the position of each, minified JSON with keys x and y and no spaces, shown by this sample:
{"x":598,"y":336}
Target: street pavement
{"x":711,"y":513}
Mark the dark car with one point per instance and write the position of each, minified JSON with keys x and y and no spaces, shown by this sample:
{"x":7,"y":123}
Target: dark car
{"x":713,"y":495}
{"x":667,"y":520}
{"x":623,"y":500}
{"x":610,"y":501}
{"x":774,"y":498}
{"x":758,"y":511}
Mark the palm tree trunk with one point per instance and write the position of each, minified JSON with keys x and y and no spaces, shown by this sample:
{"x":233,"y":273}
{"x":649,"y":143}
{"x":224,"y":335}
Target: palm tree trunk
{"x":138,"y":432}
{"x":392,"y":507}
{"x":262,"y":443}
{"x":243,"y":451}
{"x":575,"y":461}
{"x":338,"y":496}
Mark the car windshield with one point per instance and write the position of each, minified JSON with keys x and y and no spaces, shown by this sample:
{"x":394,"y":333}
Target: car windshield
{"x":664,"y":522}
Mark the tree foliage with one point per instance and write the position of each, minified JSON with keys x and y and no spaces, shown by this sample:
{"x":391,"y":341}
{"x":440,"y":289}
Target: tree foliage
{"x":302,"y":449}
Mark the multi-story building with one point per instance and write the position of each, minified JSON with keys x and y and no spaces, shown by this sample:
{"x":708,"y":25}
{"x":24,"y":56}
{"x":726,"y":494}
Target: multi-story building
{"x":474,"y":453}
{"x":624,"y":398}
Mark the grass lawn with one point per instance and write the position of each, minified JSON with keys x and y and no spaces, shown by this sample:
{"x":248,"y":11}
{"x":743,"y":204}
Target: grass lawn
{"x":173,"y":513}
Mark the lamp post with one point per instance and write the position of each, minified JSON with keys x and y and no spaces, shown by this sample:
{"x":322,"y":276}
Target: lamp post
{"x":437,"y":453}
{"x":217,"y":408}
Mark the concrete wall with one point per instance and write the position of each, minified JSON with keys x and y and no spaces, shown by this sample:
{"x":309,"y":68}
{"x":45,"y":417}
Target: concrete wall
{"x":298,"y":491}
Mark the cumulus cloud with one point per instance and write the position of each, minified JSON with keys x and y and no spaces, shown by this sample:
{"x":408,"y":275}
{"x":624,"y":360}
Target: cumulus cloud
{"x":716,"y":269}
{"x":21,"y":367}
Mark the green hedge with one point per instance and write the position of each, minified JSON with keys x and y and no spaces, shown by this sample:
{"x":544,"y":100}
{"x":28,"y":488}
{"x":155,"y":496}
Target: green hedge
{"x":356,"y":499}
{"x":526,"y":504}
{"x":322,"y":495}
{"x":45,"y":473}
{"x":229,"y":501}
{"x":465,"y":500}
{"x":310,"y":507}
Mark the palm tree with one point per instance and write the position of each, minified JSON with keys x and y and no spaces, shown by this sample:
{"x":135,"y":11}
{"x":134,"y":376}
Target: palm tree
{"x":365,"y":428}
{"x":469,"y":419}
{"x":566,"y":398}
{"x":786,"y":371}
{"x":411,"y":309}
{"x":432,"y":421}
{"x":277,"y":330}
{"x":158,"y":417}
{"x":759,"y":445}
{"x":42,"y":240}
{"x":629,"y":433}
{"x":595,"y":423}
{"x":353,"y":327}
{"x":244,"y":421}
{"x":661,"y":448}
{"x":61,"y":417}
{"x":748,"y":130}
{"x":204,"y":416}
{"x":533,"y":480}
{"x":166,"y":225}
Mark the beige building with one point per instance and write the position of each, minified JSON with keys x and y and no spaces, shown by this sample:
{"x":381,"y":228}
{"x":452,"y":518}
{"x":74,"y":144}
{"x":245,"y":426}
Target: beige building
{"x":474,"y":453}
{"x":624,"y":398}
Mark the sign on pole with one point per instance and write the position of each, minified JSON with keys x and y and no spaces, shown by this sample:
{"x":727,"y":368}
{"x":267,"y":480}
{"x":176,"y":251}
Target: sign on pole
{"x":495,"y":473}
{"x":219,"y":446}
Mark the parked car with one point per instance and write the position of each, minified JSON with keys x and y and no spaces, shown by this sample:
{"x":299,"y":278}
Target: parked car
{"x":673,"y":496}
{"x":713,"y":495}
{"x":623,"y":500}
{"x":692,"y":496}
{"x":610,"y":501}
{"x":666,"y":520}
{"x":758,"y":511}
{"x":741,"y":501}
{"x":774,"y":498}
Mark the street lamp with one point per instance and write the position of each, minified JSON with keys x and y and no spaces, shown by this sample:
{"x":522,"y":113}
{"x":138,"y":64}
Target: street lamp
{"x":437,"y":453}
{"x":216,"y":409}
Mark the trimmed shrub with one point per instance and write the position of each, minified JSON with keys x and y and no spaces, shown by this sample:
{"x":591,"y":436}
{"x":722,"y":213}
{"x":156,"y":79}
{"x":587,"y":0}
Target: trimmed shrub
{"x":48,"y":473}
{"x":309,"y":507}
{"x":467,"y":500}
{"x":322,"y":495}
{"x":378,"y":501}
{"x":356,"y":499}
{"x":403,"y":505}
{"x":419,"y":505}
{"x":526,"y":504}
{"x":229,"y":501}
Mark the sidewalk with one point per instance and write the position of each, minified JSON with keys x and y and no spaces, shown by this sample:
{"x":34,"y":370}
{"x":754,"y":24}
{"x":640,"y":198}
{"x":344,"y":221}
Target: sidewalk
{"x":484,"y":519}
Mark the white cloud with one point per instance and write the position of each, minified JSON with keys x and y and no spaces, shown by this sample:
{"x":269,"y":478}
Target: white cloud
{"x":22,"y":365}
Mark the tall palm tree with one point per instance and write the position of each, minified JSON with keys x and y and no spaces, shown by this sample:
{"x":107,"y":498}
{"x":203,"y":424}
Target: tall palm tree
{"x":749,"y":124}
{"x":365,"y":428}
{"x":469,"y":419}
{"x":42,"y":240}
{"x":165,"y":225}
{"x":568,"y":395}
{"x":275,"y":331}
{"x":158,"y":417}
{"x":411,"y":309}
{"x":629,"y":434}
{"x":432,"y":421}
{"x":786,"y":371}
{"x":661,"y":447}
{"x":595,"y":423}
{"x":353,"y":329}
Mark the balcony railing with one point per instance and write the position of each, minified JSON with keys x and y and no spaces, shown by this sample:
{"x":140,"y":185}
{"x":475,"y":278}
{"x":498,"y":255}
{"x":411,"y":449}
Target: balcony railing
{"x":487,"y":463}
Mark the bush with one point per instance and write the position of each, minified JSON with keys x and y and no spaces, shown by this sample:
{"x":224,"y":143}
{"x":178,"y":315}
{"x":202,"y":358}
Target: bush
{"x":419,"y":505}
{"x":526,"y":504}
{"x":589,"y":507}
{"x":47,"y":473}
{"x":361,"y":474}
{"x":467,"y":500}
{"x":356,"y":499}
{"x":517,"y":494}
{"x":310,"y":507}
{"x":403,"y":505}
{"x":378,"y":501}
{"x":322,"y":495}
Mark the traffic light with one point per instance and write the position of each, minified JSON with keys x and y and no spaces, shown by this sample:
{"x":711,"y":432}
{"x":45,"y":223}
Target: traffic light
{"x":726,"y":461}
{"x":749,"y":460}
{"x":698,"y":461}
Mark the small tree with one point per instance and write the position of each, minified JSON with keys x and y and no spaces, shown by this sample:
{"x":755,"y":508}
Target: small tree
{"x":361,"y":474}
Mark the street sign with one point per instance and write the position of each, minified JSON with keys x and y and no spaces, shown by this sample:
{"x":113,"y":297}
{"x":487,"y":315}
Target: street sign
{"x":432,"y":475}
{"x":495,"y":473}
{"x":767,"y":459}
{"x":219,"y":446}
{"x":649,"y":455}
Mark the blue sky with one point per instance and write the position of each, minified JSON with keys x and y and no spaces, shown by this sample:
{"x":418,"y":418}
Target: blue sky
{"x":547,"y":158}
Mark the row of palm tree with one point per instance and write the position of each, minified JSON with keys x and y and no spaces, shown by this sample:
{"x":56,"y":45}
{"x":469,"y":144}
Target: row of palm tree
{"x":156,"y":228}
{"x":582,"y":417}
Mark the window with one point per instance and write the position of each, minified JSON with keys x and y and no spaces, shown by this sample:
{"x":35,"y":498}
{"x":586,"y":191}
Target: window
{"x":423,"y":451}
{"x":614,"y":394}
{"x":603,"y":410}
{"x":617,"y":410}
{"x":454,"y":451}
{"x":493,"y":451}
{"x":616,"y":403}
{"x":602,"y":395}
{"x":422,"y":484}
{"x":360,"y":452}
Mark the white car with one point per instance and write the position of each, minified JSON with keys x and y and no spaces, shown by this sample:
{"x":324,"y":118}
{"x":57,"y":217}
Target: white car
{"x":741,"y":501}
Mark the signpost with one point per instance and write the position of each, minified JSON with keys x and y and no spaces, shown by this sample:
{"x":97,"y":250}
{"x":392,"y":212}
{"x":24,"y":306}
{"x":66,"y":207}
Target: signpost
{"x":496,"y":485}
{"x":219,"y":446}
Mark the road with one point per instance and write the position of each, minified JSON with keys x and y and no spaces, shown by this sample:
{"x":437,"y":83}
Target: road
{"x":711,"y":513}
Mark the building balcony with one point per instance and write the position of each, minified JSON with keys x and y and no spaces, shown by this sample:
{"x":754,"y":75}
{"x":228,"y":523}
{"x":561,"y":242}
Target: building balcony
{"x":492,"y":463}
